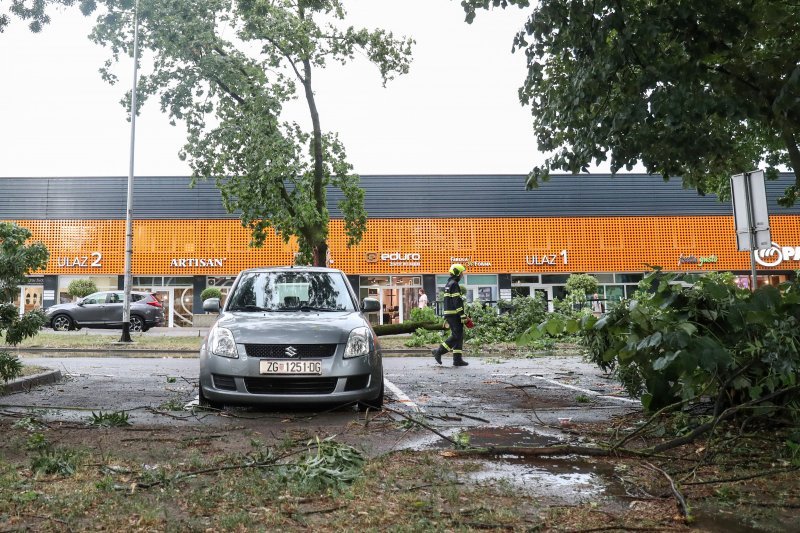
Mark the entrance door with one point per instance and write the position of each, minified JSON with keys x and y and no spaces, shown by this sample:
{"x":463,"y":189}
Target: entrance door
{"x":542,"y":291}
{"x":164,"y":295}
{"x":390,"y":300}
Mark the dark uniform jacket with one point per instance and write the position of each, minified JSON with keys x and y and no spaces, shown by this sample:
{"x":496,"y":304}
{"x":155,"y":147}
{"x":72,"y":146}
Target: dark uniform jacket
{"x":453,"y":299}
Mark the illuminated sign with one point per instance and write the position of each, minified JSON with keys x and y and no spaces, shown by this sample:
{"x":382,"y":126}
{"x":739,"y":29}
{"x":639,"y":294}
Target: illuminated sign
{"x":93,"y":260}
{"x":188,"y":262}
{"x":776,"y":254}
{"x":545,"y":259}
{"x":468,"y":262}
{"x":694,"y":260}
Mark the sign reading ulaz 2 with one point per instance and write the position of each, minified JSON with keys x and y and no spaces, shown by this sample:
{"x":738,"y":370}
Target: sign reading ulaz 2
{"x":93,"y":260}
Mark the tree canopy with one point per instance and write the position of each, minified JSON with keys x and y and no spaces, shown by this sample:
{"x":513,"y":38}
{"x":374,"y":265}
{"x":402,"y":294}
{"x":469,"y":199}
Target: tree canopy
{"x":35,"y":12}
{"x":697,"y":90}
{"x":17,"y":258}
{"x":226,"y":69}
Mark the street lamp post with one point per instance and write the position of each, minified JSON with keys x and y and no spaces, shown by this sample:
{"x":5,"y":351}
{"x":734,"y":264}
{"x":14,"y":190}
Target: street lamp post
{"x":126,"y":308}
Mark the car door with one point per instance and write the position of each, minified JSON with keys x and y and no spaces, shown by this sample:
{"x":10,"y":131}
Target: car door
{"x":112,"y":314}
{"x":91,"y":310}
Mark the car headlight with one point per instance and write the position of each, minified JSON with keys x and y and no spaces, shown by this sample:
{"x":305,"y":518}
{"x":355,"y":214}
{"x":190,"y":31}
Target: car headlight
{"x":358,"y":343}
{"x":221,"y":343}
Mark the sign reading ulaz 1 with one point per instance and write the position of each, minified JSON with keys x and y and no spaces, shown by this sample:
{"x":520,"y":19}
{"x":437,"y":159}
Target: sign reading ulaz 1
{"x":545,"y":259}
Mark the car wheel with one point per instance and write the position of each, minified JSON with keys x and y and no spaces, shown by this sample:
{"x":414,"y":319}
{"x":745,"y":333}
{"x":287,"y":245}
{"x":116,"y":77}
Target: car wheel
{"x":62,"y":323}
{"x":137,"y":324}
{"x":375,"y":404}
{"x":205,"y":402}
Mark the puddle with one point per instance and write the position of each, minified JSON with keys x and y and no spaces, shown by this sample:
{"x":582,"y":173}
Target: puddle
{"x":564,"y":480}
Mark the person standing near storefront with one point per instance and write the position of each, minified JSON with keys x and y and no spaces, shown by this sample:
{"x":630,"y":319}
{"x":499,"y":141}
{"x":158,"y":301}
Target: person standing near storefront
{"x":456,"y":318}
{"x":422,"y":303}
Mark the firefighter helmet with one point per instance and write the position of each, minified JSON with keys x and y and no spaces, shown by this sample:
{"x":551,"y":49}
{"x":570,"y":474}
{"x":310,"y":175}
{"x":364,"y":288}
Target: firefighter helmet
{"x":457,"y":269}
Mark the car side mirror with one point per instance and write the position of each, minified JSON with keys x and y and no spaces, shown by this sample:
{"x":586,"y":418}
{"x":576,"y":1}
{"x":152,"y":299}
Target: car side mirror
{"x":211,"y":305}
{"x":370,"y":305}
{"x":80,"y":302}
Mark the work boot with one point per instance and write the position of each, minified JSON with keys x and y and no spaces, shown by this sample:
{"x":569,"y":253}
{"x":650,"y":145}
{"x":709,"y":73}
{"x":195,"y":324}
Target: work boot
{"x":437,"y":355}
{"x":459,"y":361}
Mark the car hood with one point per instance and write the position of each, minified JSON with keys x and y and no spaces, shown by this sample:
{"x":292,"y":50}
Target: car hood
{"x":291,"y":328}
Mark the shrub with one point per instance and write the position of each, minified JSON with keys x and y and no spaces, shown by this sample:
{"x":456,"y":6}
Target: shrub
{"x":711,"y":340}
{"x":492,"y":327}
{"x":80,"y":288}
{"x":210,"y":292}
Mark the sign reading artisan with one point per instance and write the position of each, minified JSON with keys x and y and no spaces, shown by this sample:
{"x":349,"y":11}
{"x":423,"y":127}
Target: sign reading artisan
{"x":188,"y":262}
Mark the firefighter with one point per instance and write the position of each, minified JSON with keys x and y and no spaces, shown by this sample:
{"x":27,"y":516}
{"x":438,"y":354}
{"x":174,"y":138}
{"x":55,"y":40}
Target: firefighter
{"x":456,"y":319}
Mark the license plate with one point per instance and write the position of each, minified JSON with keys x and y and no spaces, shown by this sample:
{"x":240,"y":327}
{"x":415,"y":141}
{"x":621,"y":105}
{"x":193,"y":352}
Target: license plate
{"x":290,"y":367}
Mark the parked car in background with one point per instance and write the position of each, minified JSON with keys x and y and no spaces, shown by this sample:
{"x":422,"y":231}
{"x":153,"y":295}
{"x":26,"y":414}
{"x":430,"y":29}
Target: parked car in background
{"x":291,"y":336}
{"x":104,"y":310}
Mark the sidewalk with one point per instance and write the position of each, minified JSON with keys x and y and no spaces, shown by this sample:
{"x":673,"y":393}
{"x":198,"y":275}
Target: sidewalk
{"x":152,"y":332}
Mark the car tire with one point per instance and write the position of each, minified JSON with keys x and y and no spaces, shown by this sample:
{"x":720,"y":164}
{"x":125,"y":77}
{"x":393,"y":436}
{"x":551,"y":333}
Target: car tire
{"x":375,"y":404}
{"x":62,"y":323}
{"x":137,"y":324}
{"x":205,"y":402}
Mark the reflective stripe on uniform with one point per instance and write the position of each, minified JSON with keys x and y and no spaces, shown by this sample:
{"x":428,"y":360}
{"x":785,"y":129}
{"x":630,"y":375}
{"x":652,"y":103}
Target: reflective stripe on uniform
{"x":453,"y":312}
{"x":457,"y":352}
{"x":445,"y":346}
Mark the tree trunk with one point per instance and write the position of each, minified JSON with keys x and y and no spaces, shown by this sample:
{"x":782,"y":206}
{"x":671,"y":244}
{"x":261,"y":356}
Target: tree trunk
{"x":320,"y":253}
{"x":794,"y":153}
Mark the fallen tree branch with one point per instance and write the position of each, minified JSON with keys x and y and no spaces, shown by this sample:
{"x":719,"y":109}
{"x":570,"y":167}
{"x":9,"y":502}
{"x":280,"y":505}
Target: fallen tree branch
{"x":682,"y":507}
{"x":743,"y":478}
{"x":726,"y":414}
{"x":424,"y":425}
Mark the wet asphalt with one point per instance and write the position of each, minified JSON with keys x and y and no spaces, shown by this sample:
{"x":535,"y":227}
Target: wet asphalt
{"x":491,"y":391}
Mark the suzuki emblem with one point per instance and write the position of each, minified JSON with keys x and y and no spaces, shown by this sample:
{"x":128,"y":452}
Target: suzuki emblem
{"x":291,"y":351}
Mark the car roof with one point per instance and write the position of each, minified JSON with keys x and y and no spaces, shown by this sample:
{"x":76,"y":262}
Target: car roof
{"x":292,"y":269}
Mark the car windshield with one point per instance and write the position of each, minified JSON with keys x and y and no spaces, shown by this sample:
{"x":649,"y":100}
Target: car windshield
{"x":290,"y":291}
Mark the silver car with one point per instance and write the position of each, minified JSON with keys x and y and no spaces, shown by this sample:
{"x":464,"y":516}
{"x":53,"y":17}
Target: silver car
{"x":291,"y":336}
{"x":104,"y":310}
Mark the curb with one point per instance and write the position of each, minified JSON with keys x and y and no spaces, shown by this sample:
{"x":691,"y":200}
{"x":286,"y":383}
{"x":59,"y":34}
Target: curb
{"x":26,"y":383}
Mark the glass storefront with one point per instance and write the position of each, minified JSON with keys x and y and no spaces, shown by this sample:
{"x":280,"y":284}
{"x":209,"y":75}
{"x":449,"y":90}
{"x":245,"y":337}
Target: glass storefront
{"x":176,"y":294}
{"x":398,"y":295}
{"x":103,"y":283}
{"x":479,"y":287}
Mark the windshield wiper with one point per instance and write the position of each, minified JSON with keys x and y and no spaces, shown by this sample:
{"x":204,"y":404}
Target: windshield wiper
{"x":312,"y":308}
{"x":251,"y":308}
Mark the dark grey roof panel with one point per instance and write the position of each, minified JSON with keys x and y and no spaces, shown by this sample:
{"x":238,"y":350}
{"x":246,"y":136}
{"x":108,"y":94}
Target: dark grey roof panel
{"x":386,"y":197}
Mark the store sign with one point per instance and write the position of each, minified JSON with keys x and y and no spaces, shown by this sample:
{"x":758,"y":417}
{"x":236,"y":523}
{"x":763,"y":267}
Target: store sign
{"x":469,"y":262}
{"x":394,"y":259}
{"x":205,"y":262}
{"x":546,"y":259}
{"x":93,"y":260}
{"x":777,"y":254}
{"x":695,"y":260}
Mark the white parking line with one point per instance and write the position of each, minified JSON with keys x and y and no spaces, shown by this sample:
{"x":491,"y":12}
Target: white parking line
{"x":587,"y":391}
{"x":401,"y":396}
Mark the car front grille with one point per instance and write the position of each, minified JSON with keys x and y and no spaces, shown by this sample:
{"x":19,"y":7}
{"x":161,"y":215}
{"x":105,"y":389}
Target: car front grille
{"x":290,"y":385}
{"x":290,"y":351}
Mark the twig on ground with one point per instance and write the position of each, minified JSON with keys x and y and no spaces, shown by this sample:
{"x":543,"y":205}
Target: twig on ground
{"x":682,"y":507}
{"x":474,"y":418}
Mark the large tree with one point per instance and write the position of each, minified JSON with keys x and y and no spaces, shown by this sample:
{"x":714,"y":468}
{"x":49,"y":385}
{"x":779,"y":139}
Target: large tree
{"x":226,"y":68}
{"x":700,"y":90}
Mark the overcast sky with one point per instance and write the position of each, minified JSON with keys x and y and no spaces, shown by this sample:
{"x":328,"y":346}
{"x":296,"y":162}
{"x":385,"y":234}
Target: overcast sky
{"x":456,"y":111}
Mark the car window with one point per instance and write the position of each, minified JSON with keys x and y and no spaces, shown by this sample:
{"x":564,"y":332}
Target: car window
{"x":96,"y":298}
{"x":136,"y":297}
{"x":113,"y":298}
{"x":286,"y":291}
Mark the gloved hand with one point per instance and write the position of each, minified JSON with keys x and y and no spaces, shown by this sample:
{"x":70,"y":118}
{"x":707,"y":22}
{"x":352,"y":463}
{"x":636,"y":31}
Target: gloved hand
{"x":469,"y":323}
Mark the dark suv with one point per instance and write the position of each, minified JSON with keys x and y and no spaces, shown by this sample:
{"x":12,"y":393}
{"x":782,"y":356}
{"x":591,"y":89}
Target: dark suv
{"x":104,"y":310}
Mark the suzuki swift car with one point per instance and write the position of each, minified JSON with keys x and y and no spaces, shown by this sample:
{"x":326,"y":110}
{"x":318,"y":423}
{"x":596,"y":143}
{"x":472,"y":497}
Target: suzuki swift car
{"x":291,"y":336}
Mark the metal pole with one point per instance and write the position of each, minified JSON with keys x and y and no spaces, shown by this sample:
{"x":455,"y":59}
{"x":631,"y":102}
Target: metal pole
{"x":126,"y":308}
{"x":751,"y":226}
